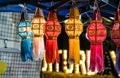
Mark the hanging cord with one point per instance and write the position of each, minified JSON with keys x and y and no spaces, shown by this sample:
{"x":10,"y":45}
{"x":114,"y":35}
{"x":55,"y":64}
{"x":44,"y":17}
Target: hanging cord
{"x":51,"y":3}
{"x":95,"y":7}
{"x":38,"y":1}
{"x":119,"y":4}
{"x":73,"y":1}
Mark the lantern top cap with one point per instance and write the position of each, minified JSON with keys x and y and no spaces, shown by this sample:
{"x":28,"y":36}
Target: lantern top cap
{"x":24,"y":15}
{"x":74,"y":13}
{"x":38,"y":12}
{"x":52,"y":16}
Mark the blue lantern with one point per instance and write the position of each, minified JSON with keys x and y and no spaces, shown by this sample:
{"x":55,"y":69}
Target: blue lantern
{"x":25,"y":33}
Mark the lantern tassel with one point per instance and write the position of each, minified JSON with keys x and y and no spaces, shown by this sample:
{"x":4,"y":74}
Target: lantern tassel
{"x":51,"y":51}
{"x":96,"y":58}
{"x":26,"y":51}
{"x":38,"y":48}
{"x":74,"y":51}
{"x":118,"y":59}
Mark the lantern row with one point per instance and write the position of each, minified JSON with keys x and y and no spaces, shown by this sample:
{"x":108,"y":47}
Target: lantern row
{"x":51,"y":28}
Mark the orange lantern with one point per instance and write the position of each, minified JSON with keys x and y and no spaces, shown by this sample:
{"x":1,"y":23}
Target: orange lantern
{"x":96,"y":32}
{"x":74,"y":28}
{"x":52,"y":29}
{"x":115,"y":35}
{"x":38,"y":40}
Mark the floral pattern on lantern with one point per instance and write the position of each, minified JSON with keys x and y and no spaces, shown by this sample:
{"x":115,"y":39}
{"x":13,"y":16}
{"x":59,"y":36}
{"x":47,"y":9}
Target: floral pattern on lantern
{"x":74,"y":28}
{"x":38,"y":40}
{"x":25,"y":33}
{"x":52,"y":29}
{"x":115,"y":35}
{"x":96,"y":33}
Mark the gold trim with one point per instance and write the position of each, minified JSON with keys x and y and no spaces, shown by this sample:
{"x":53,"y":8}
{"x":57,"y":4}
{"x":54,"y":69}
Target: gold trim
{"x":25,"y":37}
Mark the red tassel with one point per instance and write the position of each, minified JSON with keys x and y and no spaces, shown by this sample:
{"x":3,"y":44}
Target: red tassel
{"x":51,"y":51}
{"x":96,"y":58}
{"x":56,"y":51}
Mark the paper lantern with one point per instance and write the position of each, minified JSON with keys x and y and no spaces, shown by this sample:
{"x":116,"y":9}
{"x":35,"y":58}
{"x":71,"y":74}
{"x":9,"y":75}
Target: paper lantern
{"x":115,"y":35}
{"x":96,"y":33}
{"x":38,"y":40}
{"x":52,"y":30}
{"x":25,"y":33}
{"x":74,"y":28}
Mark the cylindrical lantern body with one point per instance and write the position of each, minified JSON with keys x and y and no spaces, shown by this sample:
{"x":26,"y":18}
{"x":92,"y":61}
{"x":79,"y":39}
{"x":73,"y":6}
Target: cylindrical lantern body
{"x":52,"y":29}
{"x":96,"y":33}
{"x":25,"y":33}
{"x":37,"y":29}
{"x":115,"y":35}
{"x":74,"y":28}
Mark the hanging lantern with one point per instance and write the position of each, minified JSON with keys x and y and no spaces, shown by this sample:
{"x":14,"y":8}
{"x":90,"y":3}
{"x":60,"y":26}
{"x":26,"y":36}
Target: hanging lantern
{"x":25,"y":33}
{"x":96,"y":33}
{"x":52,"y":30}
{"x":74,"y":28}
{"x":38,"y":40}
{"x":115,"y":35}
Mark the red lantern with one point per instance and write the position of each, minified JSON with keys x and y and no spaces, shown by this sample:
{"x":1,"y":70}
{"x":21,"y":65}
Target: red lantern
{"x":115,"y":34}
{"x":52,"y":30}
{"x":96,"y":32}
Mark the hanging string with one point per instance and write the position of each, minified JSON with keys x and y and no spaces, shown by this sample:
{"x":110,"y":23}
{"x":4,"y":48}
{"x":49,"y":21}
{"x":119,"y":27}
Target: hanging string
{"x":119,"y":4}
{"x":52,"y":3}
{"x":73,"y":1}
{"x":95,"y":7}
{"x":25,"y":10}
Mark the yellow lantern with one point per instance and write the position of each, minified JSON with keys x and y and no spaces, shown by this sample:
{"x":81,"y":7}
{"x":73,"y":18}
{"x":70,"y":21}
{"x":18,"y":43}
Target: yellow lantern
{"x":37,"y":28}
{"x":74,"y":28}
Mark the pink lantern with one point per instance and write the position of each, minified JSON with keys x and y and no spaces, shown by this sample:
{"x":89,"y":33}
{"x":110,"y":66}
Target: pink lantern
{"x":115,"y":35}
{"x":96,"y":32}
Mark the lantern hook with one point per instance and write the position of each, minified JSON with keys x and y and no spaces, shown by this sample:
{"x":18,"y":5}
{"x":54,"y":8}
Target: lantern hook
{"x":73,"y":1}
{"x":119,"y":4}
{"x":5,"y":43}
{"x":52,"y":3}
{"x":95,"y":7}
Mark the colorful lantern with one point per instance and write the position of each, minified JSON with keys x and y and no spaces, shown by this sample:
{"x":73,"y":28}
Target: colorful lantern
{"x":96,"y":33}
{"x":25,"y":33}
{"x":115,"y":34}
{"x":74,"y":28}
{"x":52,"y":30}
{"x":37,"y":28}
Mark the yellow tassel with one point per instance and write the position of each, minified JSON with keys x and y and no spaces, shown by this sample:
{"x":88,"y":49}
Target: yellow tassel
{"x":74,"y":49}
{"x":71,"y":50}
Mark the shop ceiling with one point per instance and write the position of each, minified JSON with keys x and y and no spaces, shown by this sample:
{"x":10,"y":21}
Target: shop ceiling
{"x":108,"y":8}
